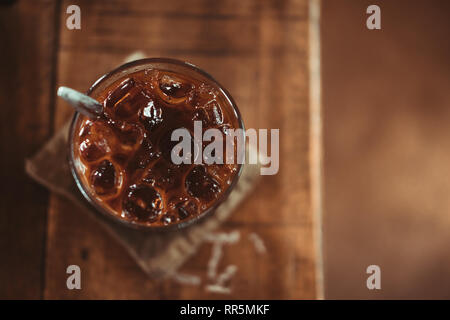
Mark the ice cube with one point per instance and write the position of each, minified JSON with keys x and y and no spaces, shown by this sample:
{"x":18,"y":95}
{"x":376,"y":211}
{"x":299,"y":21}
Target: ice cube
{"x":145,"y":154}
{"x":201,"y":184}
{"x":142,"y":202}
{"x":151,"y":115}
{"x":126,"y":100}
{"x":130,"y":135}
{"x":96,"y":141}
{"x":214,"y":113}
{"x":91,"y":150}
{"x":163,"y":175}
{"x":105,"y":178}
{"x":183,"y":207}
{"x":174,"y":90}
{"x":202,"y":95}
{"x":122,"y":89}
{"x":210,"y":115}
{"x":187,"y":208}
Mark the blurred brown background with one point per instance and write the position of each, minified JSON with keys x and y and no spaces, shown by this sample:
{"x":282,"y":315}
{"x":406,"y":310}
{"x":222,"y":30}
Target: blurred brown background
{"x":386,"y":106}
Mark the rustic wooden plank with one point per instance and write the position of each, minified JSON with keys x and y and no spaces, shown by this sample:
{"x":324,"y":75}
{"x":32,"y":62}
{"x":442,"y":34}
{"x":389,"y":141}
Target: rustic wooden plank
{"x":27,"y":31}
{"x":259,"y":51}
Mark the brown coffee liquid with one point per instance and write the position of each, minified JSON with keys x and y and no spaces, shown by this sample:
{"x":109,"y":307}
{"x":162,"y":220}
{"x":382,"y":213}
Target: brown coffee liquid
{"x":125,"y":155}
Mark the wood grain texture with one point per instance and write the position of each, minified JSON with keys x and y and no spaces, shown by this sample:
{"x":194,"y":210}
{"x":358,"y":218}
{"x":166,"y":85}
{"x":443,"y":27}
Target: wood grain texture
{"x":259,"y":51}
{"x":26,"y":91}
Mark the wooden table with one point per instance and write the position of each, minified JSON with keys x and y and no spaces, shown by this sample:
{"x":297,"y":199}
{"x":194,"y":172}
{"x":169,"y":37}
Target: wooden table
{"x":264,"y":52}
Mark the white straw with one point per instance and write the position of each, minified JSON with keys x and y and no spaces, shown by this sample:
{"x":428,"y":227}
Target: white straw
{"x":81,"y":102}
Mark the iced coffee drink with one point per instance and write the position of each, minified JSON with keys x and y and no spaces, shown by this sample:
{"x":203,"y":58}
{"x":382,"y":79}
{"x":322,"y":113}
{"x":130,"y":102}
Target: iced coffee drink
{"x":122,"y":159}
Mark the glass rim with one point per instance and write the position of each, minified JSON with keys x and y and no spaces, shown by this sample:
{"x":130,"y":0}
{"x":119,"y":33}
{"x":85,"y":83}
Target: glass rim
{"x":108,"y":212}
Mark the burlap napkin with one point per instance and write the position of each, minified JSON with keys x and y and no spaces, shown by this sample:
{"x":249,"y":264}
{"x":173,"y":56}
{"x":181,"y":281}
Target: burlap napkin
{"x":158,"y":254}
